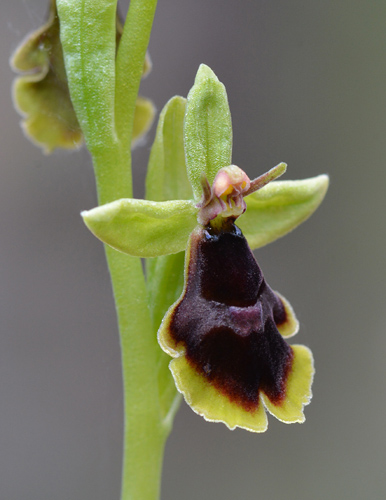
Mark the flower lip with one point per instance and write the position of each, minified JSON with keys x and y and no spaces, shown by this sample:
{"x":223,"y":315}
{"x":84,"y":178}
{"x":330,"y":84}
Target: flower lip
{"x":228,"y":271}
{"x":225,"y":324}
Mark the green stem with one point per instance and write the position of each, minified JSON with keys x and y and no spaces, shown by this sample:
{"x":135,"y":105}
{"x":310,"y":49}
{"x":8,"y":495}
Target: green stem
{"x":104,"y":90}
{"x":144,"y":434}
{"x":144,"y":437}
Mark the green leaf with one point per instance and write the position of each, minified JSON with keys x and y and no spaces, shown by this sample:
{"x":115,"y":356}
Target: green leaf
{"x":143,"y":228}
{"x":279,"y":207}
{"x":166,"y":176}
{"x":208,"y":129}
{"x":88,"y":36}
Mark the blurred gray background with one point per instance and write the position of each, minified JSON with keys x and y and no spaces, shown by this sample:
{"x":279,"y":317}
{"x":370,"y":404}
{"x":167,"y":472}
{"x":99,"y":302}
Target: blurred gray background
{"x":306,"y":82}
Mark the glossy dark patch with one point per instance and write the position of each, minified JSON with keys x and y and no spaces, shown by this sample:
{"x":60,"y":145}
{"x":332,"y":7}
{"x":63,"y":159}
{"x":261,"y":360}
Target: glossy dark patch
{"x":228,"y":270}
{"x":227,"y":319}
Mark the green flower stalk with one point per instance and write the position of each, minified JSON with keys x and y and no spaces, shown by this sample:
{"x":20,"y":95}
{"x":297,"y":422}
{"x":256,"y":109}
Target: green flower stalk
{"x":203,"y":294}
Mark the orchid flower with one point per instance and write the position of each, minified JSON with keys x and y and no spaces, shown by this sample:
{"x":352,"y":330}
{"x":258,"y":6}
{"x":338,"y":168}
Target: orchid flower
{"x":227,"y":330}
{"x":42,"y":96}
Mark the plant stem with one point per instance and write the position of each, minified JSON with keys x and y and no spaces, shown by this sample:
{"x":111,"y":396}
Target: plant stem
{"x":144,"y":434}
{"x":104,"y":88}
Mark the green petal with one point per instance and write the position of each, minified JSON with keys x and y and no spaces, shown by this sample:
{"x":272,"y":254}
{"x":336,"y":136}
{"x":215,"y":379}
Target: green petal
{"x":143,"y":228}
{"x":279,"y":207}
{"x":166,"y":176}
{"x":208,"y":129}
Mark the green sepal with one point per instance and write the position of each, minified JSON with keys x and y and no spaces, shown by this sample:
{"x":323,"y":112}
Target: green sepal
{"x":166,"y":175}
{"x":279,"y":207}
{"x":143,"y":228}
{"x":167,"y":179}
{"x":208,"y":129}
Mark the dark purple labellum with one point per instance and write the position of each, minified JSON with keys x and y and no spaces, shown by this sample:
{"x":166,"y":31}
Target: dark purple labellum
{"x":227,"y":319}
